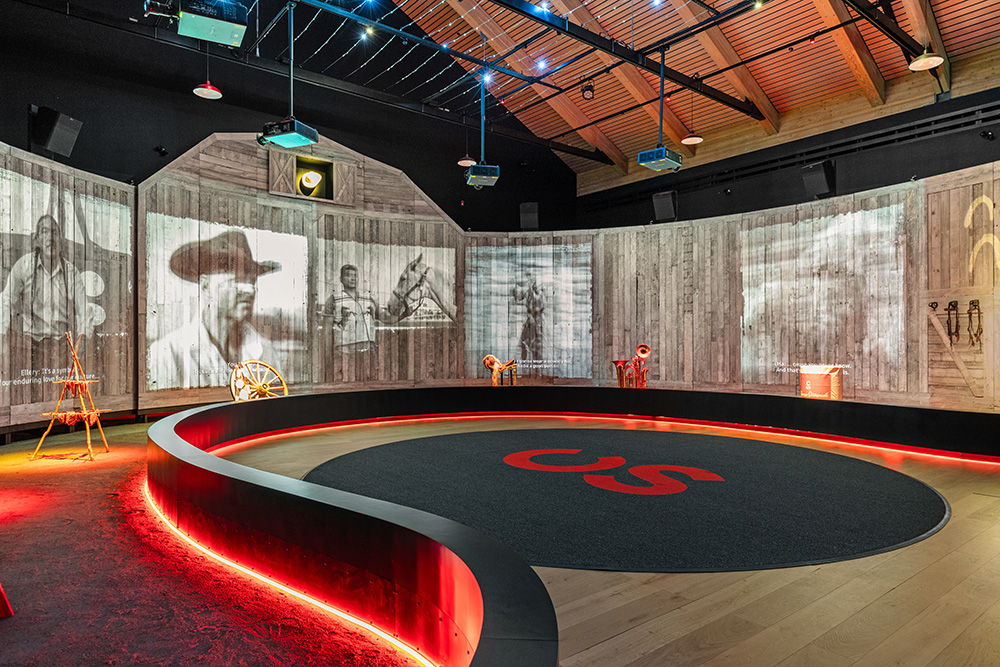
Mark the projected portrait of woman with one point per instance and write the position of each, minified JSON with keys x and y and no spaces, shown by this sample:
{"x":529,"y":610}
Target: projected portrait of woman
{"x":44,"y":293}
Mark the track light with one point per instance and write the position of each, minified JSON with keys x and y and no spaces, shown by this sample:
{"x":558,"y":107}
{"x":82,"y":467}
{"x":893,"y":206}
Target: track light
{"x":925,"y":61}
{"x":987,"y":135}
{"x":587,"y":90}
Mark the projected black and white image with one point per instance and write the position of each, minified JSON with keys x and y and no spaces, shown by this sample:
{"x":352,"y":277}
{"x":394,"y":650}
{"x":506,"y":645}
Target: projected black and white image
{"x":219,"y":295}
{"x":374,"y":290}
{"x":65,"y":269}
{"x":532,"y":304}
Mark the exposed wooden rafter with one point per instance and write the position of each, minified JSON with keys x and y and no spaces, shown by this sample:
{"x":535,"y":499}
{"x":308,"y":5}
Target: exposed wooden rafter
{"x":724,"y":55}
{"x":925,"y":30}
{"x":480,"y":21}
{"x":631,"y":78}
{"x":854,"y":49}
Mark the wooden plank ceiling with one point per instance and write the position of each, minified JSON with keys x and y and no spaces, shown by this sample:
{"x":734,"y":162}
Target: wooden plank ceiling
{"x":766,"y":51}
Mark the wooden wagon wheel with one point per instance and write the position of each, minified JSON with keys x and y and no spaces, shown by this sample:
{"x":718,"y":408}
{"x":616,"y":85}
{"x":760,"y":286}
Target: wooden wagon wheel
{"x":253,"y":379}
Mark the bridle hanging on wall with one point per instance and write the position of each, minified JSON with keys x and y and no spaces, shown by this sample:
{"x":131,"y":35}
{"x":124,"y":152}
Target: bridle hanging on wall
{"x":953,"y":327}
{"x":975,"y":332}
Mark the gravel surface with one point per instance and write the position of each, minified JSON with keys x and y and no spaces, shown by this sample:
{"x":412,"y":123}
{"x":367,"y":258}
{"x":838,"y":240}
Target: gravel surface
{"x":95,"y":579}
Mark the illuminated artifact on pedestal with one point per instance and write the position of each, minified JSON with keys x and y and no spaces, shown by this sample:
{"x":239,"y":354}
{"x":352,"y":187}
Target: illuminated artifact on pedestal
{"x":498,"y":369}
{"x":78,"y":385}
{"x":253,"y":379}
{"x":821,"y":382}
{"x":632,"y":372}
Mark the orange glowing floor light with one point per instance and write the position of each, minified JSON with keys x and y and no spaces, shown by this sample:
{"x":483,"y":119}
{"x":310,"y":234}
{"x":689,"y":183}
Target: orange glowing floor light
{"x":342,"y":615}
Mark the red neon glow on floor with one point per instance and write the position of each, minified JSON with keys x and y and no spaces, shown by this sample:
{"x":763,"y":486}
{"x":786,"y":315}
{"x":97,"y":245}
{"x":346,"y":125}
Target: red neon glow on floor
{"x":401,"y":646}
{"x":890,"y":452}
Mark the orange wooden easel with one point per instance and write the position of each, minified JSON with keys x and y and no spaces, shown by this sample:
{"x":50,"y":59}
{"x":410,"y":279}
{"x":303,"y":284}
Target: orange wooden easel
{"x":79,"y":386}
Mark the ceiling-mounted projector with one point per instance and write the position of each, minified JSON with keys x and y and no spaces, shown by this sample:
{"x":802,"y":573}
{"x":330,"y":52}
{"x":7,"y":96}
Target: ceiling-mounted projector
{"x":479,"y":175}
{"x":288,"y":133}
{"x":659,"y":159}
{"x":219,"y":21}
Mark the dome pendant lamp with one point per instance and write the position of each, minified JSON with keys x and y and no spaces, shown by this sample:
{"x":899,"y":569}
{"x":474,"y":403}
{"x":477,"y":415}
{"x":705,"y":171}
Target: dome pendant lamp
{"x":693,"y":138}
{"x":925,"y":61}
{"x":206,"y":90}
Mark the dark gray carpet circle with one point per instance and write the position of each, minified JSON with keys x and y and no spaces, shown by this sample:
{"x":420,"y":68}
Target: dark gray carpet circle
{"x":648,"y":501}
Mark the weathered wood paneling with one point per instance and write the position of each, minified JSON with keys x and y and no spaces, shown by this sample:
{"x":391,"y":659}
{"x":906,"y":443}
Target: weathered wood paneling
{"x":727,"y":304}
{"x":67,"y":265}
{"x":241,"y":210}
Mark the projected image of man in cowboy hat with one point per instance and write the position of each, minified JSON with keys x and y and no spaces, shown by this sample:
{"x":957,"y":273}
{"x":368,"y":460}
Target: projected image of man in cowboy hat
{"x":200,"y":353}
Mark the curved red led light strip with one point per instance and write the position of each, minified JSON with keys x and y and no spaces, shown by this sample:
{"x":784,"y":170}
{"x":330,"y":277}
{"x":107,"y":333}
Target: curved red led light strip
{"x":342,"y":615}
{"x":720,"y":426}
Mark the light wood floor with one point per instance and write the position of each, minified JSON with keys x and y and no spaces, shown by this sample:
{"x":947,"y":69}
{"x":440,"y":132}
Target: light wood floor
{"x":935,"y":603}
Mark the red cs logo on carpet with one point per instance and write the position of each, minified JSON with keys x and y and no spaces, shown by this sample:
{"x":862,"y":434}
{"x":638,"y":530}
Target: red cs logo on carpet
{"x":661,"y":484}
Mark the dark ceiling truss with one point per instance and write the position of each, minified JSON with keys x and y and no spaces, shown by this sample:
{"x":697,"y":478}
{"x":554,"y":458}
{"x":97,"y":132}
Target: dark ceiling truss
{"x":364,"y":20}
{"x":887,"y":26}
{"x":245,"y":58}
{"x":434,"y":99}
{"x":618,"y":50}
{"x":538,"y":79}
{"x":668,"y":94}
{"x":717,"y":19}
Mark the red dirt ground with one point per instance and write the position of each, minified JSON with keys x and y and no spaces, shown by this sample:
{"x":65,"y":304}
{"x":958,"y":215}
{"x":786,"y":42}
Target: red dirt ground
{"x":95,"y":579}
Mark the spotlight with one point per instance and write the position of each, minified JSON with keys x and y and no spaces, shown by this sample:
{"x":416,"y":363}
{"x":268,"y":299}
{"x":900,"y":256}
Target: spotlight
{"x":161,"y":151}
{"x":308,"y":182}
{"x":587,"y":90}
{"x":987,"y":135}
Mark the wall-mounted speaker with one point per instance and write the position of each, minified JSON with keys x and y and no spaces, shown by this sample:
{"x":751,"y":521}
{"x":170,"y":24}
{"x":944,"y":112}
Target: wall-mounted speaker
{"x":529,"y":216}
{"x":54,"y":131}
{"x":665,"y":206}
{"x":820,"y":179}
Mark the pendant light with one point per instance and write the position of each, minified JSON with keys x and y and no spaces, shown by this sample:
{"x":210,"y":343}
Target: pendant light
{"x":925,"y":61}
{"x":693,"y":138}
{"x":466,"y":160}
{"x":206,"y":90}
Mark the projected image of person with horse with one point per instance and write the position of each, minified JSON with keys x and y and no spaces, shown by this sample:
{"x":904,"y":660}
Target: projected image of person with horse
{"x":423,"y":296}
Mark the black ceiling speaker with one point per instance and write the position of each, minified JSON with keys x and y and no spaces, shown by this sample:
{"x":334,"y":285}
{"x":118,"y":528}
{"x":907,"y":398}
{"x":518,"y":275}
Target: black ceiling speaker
{"x":54,"y":131}
{"x":820,"y":179}
{"x":665,"y":206}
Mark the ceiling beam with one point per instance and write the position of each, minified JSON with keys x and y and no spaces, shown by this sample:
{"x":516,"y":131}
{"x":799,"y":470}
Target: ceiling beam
{"x":562,"y":25}
{"x":632,"y":79}
{"x":854,"y":49}
{"x":925,"y":29}
{"x":886,"y":26}
{"x":482,"y":22}
{"x":717,"y":45}
{"x":429,"y":43}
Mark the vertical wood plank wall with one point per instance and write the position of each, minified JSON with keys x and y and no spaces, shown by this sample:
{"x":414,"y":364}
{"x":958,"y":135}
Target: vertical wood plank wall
{"x":734,"y":303}
{"x":376,"y":220}
{"x":94,"y":287}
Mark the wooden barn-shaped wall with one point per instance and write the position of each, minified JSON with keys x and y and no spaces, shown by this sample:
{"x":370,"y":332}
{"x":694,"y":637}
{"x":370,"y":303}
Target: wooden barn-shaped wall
{"x":233,"y":207}
{"x":364,"y":282}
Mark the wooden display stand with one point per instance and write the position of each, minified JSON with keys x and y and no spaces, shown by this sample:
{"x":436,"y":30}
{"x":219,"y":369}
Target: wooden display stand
{"x":79,"y":386}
